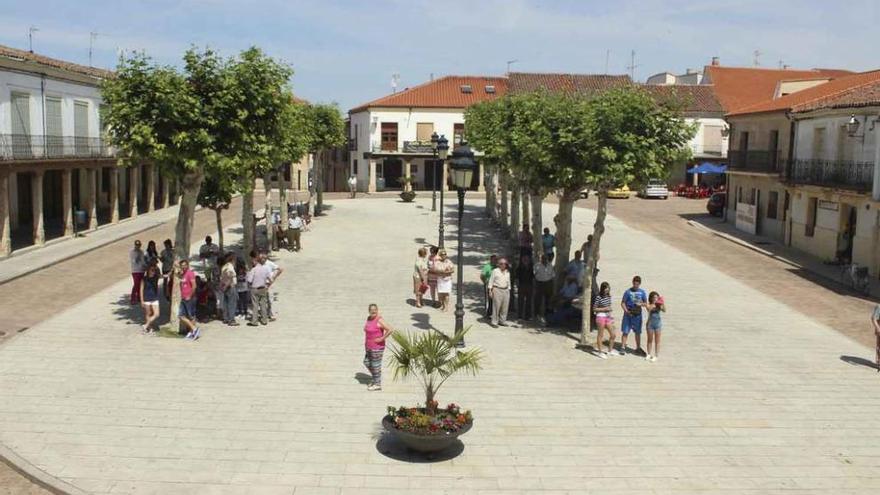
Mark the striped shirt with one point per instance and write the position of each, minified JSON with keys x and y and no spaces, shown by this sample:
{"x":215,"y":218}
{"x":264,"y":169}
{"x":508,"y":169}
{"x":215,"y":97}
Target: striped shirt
{"x":602,"y":302}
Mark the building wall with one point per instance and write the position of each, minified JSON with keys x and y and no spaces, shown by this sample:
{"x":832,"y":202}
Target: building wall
{"x":31,"y":84}
{"x":773,"y":228}
{"x":838,"y":144}
{"x":759,"y":128}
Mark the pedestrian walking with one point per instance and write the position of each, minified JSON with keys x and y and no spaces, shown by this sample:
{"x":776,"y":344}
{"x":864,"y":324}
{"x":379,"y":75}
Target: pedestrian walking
{"x":259,"y":280}
{"x":634,"y":299}
{"x":376,"y":332}
{"x":432,"y":275}
{"x":187,"y":312}
{"x":151,"y":256}
{"x":525,"y":241}
{"x":875,"y":321}
{"x":499,"y":290}
{"x":150,"y":298}
{"x":604,"y":320}
{"x":655,"y":306}
{"x":276,"y":272}
{"x":295,"y":226}
{"x":444,"y":269}
{"x":228,"y":290}
{"x":485,"y":273}
{"x":548,"y":243}
{"x":167,"y":259}
{"x":138,"y":264}
{"x":352,"y":185}
{"x":420,"y":276}
{"x":525,"y":277}
{"x":544,"y":275}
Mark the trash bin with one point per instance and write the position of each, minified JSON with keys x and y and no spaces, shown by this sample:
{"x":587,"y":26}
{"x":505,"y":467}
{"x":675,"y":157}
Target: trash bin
{"x":80,"y":218}
{"x":380,"y":183}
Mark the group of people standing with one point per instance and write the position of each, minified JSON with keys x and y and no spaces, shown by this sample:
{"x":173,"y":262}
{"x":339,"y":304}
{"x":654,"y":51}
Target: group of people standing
{"x":633,"y":304}
{"x":224,"y":290}
{"x":432,"y":272}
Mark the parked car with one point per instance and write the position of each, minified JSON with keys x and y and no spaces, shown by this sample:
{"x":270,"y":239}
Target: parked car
{"x":585,"y":193}
{"x":715,"y":205}
{"x":621,"y":192}
{"x":655,"y":188}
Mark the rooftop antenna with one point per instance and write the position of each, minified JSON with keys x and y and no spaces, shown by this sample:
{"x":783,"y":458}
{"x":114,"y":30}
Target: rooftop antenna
{"x":31,"y":31}
{"x":755,"y":61}
{"x":632,"y":65}
{"x":509,"y":62}
{"x":607,"y":56}
{"x":395,"y":78}
{"x":92,"y":37}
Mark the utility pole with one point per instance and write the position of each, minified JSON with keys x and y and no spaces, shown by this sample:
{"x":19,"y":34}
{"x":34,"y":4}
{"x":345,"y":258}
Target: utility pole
{"x":508,"y":64}
{"x":92,"y":37}
{"x":31,"y":31}
{"x":755,"y":61}
{"x":632,"y":65}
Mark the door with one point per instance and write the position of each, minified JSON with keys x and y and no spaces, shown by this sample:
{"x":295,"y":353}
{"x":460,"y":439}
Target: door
{"x":389,"y":136}
{"x":54,"y":143}
{"x":433,"y":174}
{"x":21,"y":125}
{"x":392,"y":170}
{"x":774,"y":149}
{"x":81,"y":127}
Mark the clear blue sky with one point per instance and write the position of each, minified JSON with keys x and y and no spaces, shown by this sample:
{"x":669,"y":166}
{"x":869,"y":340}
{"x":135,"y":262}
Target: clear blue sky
{"x":346,"y":51}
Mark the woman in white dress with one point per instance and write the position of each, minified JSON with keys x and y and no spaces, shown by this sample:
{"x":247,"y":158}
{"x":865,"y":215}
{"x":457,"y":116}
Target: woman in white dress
{"x":443,"y":268}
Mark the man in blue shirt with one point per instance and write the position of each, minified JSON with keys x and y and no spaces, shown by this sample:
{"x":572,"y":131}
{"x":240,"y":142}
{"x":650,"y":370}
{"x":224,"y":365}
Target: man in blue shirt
{"x":634,"y":299}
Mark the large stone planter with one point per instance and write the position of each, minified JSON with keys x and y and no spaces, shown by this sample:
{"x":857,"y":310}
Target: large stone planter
{"x":408,"y":196}
{"x":425,"y":444}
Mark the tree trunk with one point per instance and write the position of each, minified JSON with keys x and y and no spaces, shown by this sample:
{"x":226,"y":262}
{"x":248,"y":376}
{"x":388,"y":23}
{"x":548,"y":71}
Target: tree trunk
{"x":319,"y":180}
{"x":282,"y":200}
{"x":563,"y":230}
{"x":493,"y":175}
{"x":430,"y":406}
{"x":190,"y":184}
{"x":247,"y":222}
{"x":267,"y":211}
{"x":487,"y":185}
{"x":537,"y":222}
{"x":513,"y":227}
{"x":525,"y":202}
{"x":219,"y":213}
{"x":504,"y":220}
{"x":593,"y":259}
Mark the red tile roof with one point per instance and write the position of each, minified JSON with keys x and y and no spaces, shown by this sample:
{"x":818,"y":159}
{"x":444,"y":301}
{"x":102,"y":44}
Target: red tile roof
{"x":40,"y":60}
{"x":694,"y":98}
{"x":523,"y":82}
{"x":853,"y":89}
{"x":445,"y":92}
{"x":739,"y":87}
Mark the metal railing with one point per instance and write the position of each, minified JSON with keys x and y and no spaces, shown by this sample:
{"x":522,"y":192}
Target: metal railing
{"x":708,"y":150}
{"x":36,"y":147}
{"x":352,"y":144}
{"x":756,"y":161}
{"x":833,"y":173}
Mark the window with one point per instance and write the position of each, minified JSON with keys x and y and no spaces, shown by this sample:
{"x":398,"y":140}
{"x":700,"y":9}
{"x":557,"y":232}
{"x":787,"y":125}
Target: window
{"x":712,"y":139}
{"x":772,"y":204}
{"x":490,"y":89}
{"x":844,"y":149}
{"x":457,"y":134}
{"x":414,"y":169}
{"x":810,"y":227}
{"x":21,"y":125}
{"x":774,"y":149}
{"x":467,"y":89}
{"x":54,"y":143}
{"x":389,"y":136}
{"x":354,"y":169}
{"x":424,"y":131}
{"x":81,"y":126}
{"x":819,"y":143}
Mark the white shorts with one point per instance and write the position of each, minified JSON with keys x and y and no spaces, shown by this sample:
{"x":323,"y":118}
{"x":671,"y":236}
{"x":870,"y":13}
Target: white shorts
{"x":444,"y":285}
{"x":154,"y":304}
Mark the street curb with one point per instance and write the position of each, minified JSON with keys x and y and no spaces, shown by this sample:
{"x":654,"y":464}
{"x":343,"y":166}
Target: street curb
{"x":37,"y":475}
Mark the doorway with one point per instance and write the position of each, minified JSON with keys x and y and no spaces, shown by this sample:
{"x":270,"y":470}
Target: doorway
{"x":392,"y":170}
{"x":847,"y":234}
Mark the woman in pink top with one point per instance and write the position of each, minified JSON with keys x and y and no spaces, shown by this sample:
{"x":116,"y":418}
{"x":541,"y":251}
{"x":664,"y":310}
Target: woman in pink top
{"x":376,"y":331}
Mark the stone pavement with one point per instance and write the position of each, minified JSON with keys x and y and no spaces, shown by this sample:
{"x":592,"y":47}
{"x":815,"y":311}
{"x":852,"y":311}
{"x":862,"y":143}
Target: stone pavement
{"x":749,"y":396}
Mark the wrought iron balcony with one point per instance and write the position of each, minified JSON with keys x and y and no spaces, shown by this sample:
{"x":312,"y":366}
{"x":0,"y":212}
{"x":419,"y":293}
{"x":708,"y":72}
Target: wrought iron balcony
{"x":708,"y":150}
{"x":34,"y":147}
{"x":756,"y":161}
{"x":857,"y":176}
{"x":352,"y":144}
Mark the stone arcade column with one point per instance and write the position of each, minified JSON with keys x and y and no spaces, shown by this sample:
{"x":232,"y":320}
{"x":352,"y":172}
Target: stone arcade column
{"x":37,"y":196}
{"x":114,"y":194}
{"x":67,"y":201}
{"x":5,"y":235}
{"x":445,"y":175}
{"x":133,"y":190}
{"x":92,"y":175}
{"x":371,"y":184}
{"x":481,"y":171}
{"x":407,"y":173}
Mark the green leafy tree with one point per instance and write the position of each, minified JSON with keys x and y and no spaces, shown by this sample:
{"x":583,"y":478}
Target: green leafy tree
{"x":216,"y":194}
{"x":433,"y":358}
{"x":327,"y":131}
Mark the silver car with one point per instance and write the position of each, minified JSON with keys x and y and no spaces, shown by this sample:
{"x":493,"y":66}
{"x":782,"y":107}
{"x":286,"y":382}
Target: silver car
{"x":655,"y":188}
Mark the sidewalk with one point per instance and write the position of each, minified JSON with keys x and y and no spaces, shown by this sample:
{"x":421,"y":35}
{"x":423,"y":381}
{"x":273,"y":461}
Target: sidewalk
{"x":830,"y":274}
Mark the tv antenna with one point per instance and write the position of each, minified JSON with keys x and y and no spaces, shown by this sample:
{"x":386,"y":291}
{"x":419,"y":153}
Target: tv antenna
{"x":31,"y":31}
{"x":92,"y":37}
{"x":632,"y":65}
{"x":607,"y":57}
{"x":755,"y":60}
{"x":395,"y":79}
{"x":509,"y":62}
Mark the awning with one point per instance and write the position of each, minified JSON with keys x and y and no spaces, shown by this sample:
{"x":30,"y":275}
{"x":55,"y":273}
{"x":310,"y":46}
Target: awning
{"x":708,"y":168}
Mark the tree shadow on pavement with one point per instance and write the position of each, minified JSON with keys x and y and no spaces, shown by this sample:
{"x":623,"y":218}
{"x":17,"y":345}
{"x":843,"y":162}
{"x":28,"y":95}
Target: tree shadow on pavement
{"x":125,"y":311}
{"x":363,"y":378}
{"x":859,"y":361}
{"x":391,"y":448}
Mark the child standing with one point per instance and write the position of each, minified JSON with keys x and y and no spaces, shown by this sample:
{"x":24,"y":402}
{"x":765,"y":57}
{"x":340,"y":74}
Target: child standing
{"x":604,"y":320}
{"x":376,"y":331}
{"x":241,"y":287}
{"x":655,"y":324}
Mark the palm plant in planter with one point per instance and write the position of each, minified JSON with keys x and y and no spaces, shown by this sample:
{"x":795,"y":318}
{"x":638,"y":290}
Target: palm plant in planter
{"x":432,"y":358}
{"x":407,"y":194}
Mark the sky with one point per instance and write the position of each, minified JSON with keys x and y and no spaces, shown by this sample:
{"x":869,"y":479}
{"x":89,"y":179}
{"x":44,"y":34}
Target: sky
{"x":346,"y":51}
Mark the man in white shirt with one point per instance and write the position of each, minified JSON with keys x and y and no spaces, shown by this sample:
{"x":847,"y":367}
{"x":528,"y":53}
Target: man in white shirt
{"x":544,"y":276}
{"x":295,"y":226}
{"x":352,"y":185}
{"x":208,"y":254}
{"x":499,"y":291}
{"x":138,"y":265}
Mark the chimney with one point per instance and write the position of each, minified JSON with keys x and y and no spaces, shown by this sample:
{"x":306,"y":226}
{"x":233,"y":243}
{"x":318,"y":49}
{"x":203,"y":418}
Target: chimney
{"x":716,"y":61}
{"x":689,"y":72}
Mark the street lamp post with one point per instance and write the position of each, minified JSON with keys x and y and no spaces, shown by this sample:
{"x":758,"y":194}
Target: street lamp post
{"x":463,"y":167}
{"x":434,"y":139}
{"x":442,"y":149}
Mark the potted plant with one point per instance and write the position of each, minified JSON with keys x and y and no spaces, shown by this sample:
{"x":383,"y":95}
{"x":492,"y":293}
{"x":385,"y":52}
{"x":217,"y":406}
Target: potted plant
{"x":407,"y":195}
{"x":433,"y":358}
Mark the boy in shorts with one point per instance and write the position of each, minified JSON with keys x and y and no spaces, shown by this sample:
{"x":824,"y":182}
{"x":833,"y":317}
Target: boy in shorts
{"x":634,"y":299}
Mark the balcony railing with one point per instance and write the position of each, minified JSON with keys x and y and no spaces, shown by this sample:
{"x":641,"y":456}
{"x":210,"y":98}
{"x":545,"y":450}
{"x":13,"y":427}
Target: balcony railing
{"x":858,"y":176}
{"x":708,"y":150}
{"x":34,"y":147}
{"x":756,"y":161}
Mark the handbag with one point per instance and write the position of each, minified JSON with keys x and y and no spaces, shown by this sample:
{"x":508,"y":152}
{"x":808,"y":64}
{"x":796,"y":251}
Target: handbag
{"x":423,"y":288}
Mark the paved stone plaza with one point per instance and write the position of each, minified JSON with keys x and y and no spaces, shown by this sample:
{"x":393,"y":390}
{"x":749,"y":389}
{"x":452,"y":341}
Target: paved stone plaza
{"x":749,"y":396}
